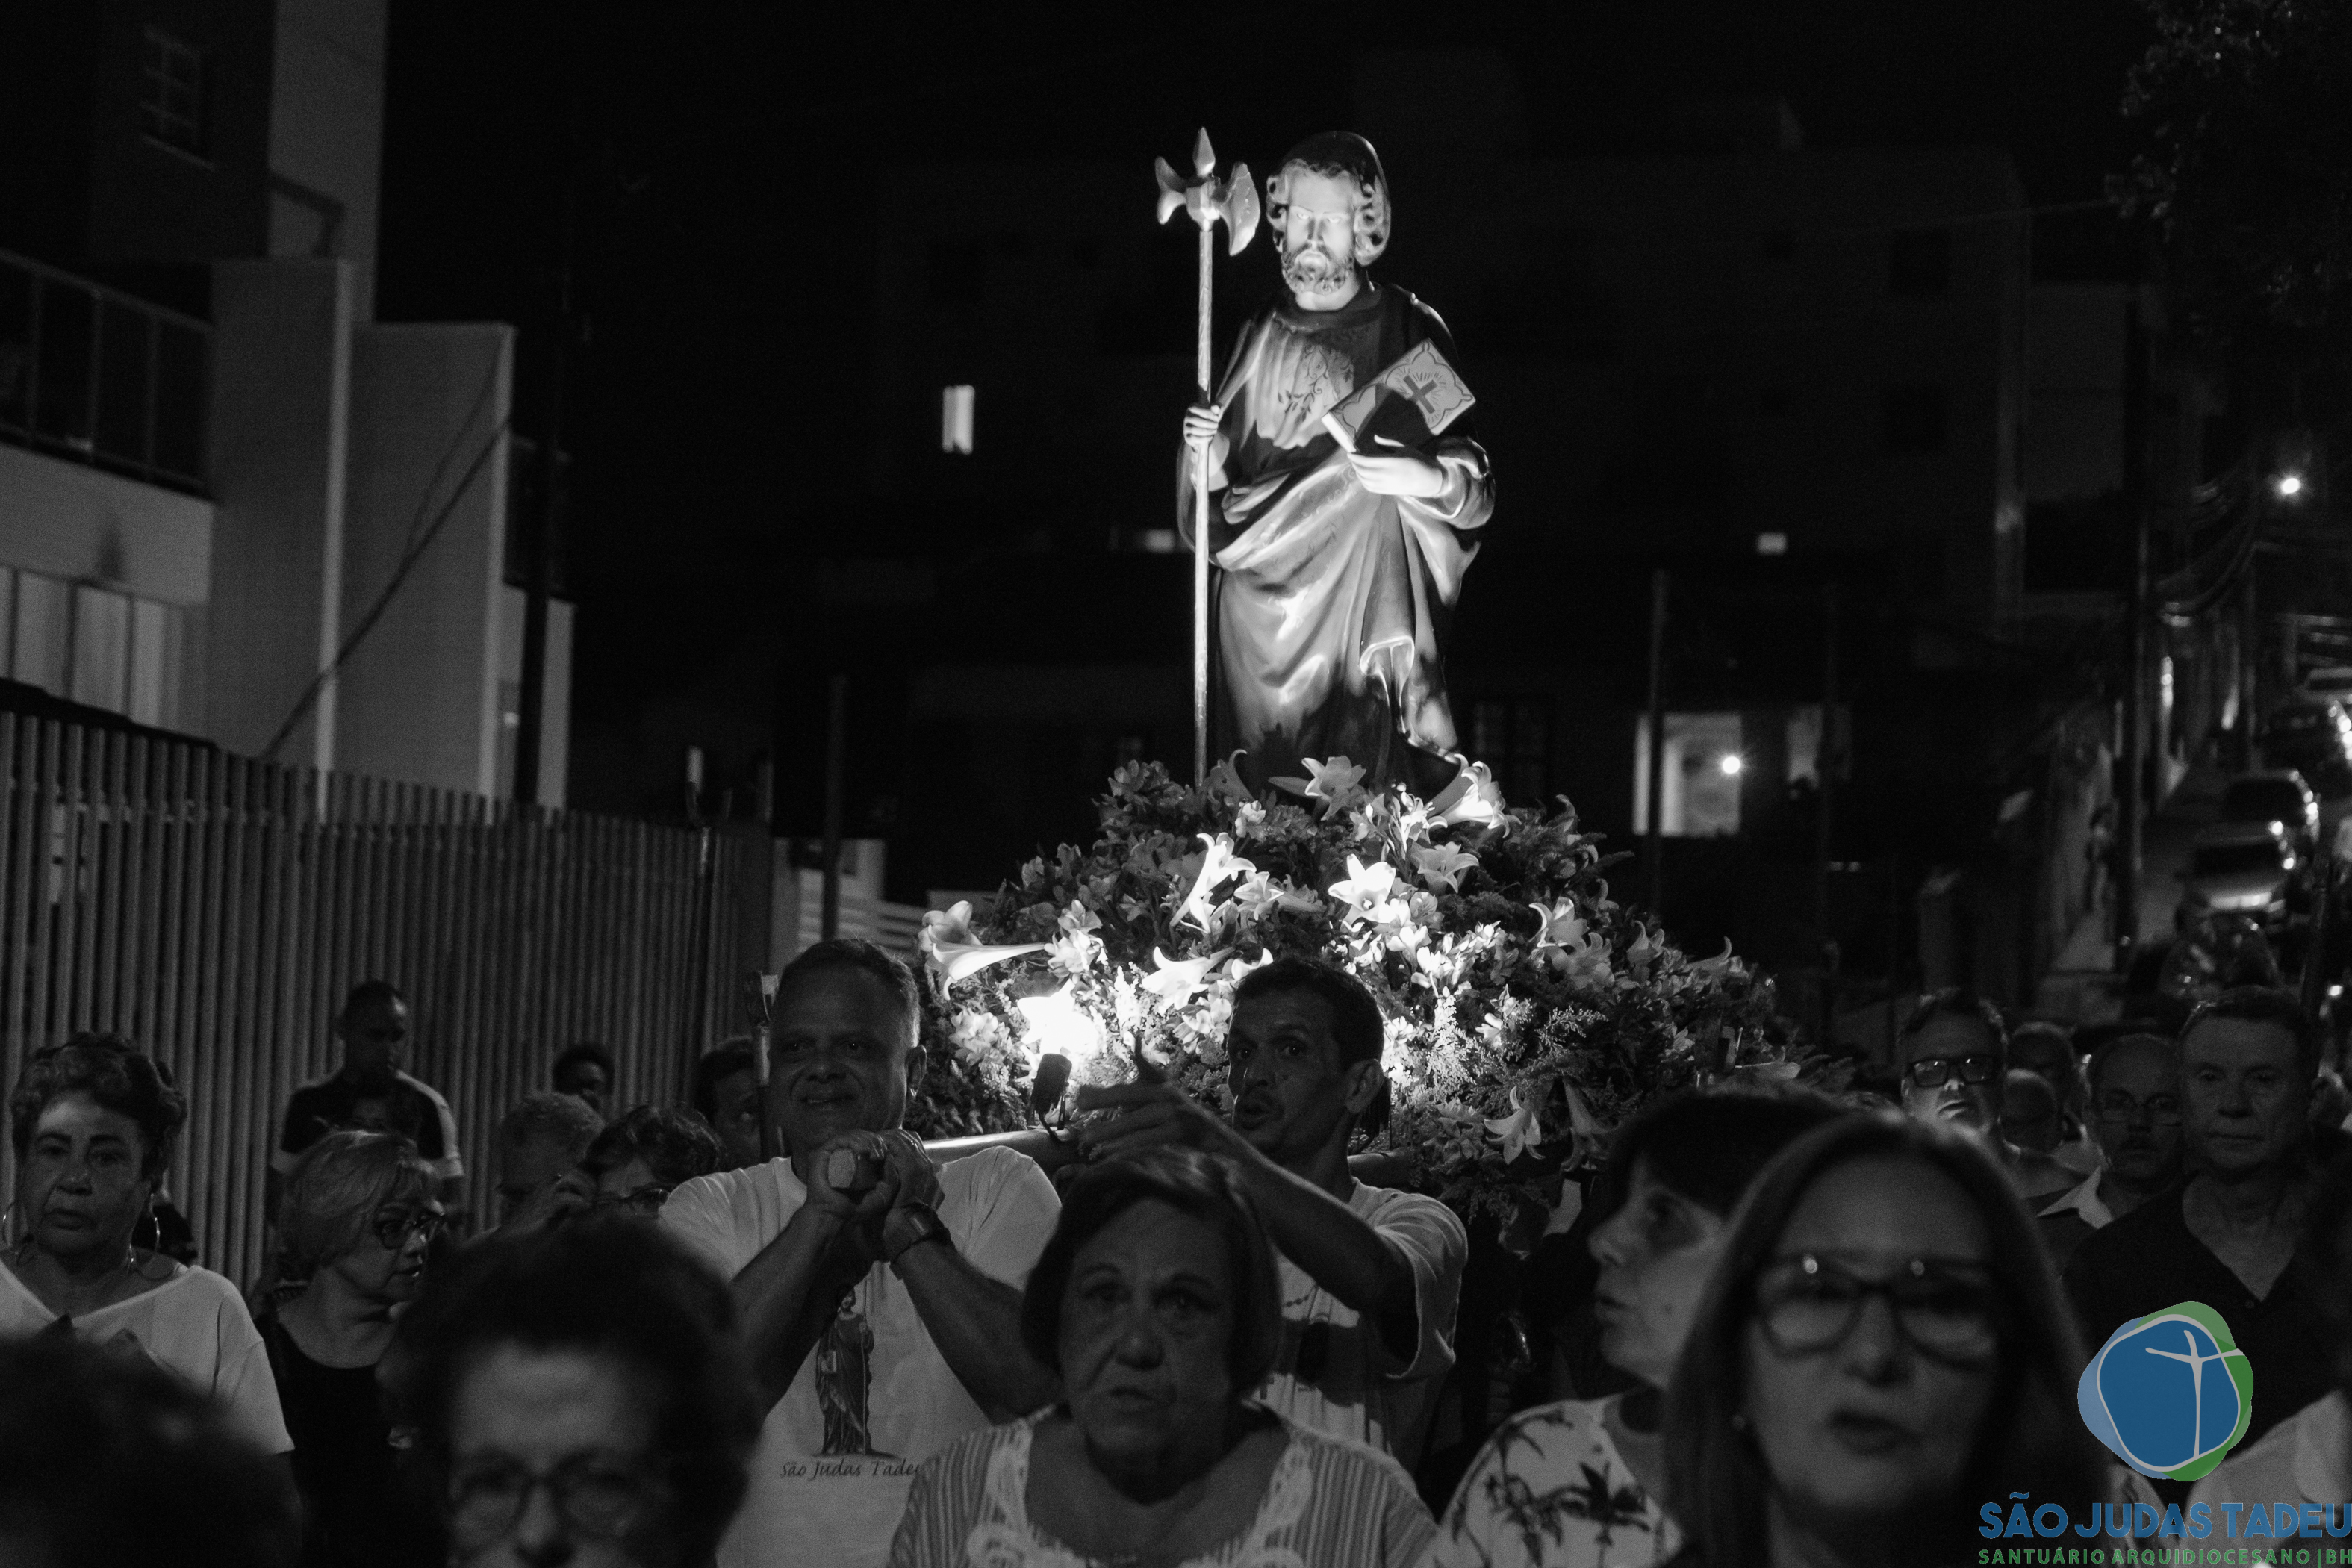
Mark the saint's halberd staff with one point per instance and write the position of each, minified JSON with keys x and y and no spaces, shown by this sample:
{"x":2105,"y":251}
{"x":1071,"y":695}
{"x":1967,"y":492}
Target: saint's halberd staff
{"x":1206,"y":199}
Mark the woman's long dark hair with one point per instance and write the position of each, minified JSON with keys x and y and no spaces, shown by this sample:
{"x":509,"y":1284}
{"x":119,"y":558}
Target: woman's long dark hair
{"x":2033,"y":1438}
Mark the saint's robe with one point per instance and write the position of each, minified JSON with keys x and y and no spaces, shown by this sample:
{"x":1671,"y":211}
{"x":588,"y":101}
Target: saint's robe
{"x":1330,"y":605}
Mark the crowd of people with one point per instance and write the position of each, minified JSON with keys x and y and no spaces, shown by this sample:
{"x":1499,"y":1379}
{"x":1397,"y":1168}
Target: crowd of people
{"x":1787,"y":1330}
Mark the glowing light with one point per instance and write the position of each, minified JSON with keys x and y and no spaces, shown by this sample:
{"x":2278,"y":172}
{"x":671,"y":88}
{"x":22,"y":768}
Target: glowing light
{"x":1732,"y":764}
{"x":1054,"y":1024}
{"x":1771,"y":545}
{"x":2289,"y":485}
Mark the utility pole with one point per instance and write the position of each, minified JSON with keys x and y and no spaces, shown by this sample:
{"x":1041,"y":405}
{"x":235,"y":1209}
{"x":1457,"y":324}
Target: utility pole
{"x":539,"y":527}
{"x":836,"y":742}
{"x":2133,"y":826}
{"x":1653,"y":849}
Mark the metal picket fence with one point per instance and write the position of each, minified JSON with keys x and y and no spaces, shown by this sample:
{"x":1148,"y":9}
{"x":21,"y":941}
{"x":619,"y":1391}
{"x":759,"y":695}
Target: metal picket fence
{"x":215,"y":909}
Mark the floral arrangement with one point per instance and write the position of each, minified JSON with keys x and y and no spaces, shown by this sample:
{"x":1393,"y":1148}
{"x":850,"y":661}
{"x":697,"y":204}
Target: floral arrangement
{"x":1528,"y":1011}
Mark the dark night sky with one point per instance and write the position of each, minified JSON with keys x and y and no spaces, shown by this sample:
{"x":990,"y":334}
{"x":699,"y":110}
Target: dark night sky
{"x":725,"y":225}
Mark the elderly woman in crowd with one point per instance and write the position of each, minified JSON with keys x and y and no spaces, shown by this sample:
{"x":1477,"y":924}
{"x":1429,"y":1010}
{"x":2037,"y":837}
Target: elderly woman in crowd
{"x":579,"y":1397}
{"x":1156,"y":1301}
{"x":1880,"y":1350}
{"x":109,"y":1462}
{"x":636,"y":1161}
{"x":1675,"y":1173}
{"x":356,"y":1218}
{"x":92,"y":1124}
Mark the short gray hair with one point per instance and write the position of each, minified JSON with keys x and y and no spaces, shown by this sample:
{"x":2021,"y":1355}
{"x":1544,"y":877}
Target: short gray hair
{"x":544,"y":1116}
{"x":336,"y":1187}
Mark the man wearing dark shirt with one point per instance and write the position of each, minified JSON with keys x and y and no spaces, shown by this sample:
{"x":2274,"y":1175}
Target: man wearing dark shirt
{"x":2228,"y":1235}
{"x":371,"y":1092}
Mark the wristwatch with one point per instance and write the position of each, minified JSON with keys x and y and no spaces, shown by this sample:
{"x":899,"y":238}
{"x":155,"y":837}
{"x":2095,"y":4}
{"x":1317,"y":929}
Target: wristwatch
{"x":911,"y":1225}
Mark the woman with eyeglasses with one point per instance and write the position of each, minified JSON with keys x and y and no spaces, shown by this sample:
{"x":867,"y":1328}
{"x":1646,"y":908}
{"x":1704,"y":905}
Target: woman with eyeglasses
{"x":636,"y":1160}
{"x":93,"y":1123}
{"x":357,"y":1218}
{"x":1580,"y":1481}
{"x":1880,"y":1350}
{"x":579,"y":1397}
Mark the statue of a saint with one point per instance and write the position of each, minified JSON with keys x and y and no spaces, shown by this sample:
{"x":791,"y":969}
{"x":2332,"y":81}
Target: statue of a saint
{"x":1337,"y":566}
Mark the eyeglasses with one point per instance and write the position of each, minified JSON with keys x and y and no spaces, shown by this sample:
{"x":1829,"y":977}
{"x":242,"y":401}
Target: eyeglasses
{"x":1934,"y":1072}
{"x":393,"y":1227}
{"x":2161,"y":1109}
{"x":1946,"y":1308}
{"x":647,"y":1199}
{"x":599,"y":1497}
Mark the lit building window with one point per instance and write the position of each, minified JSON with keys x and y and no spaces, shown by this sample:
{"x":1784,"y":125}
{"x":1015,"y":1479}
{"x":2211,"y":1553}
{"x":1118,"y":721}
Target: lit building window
{"x":955,"y":419}
{"x":171,"y":92}
{"x":1771,"y":545}
{"x":1705,"y":767}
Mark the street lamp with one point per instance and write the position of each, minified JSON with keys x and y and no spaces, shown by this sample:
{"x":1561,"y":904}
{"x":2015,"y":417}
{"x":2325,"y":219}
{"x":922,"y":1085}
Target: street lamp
{"x":2288,"y":486}
{"x":1731,"y":763}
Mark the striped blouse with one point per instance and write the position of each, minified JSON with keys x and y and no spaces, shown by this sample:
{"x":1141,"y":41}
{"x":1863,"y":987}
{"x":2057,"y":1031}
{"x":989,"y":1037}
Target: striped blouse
{"x":1330,"y":1503}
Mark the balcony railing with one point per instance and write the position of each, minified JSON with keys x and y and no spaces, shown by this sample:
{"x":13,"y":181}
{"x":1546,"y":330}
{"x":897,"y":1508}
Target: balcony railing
{"x":96,"y":376}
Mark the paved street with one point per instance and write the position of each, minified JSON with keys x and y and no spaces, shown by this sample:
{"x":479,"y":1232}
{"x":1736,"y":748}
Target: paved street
{"x":2081,"y":987}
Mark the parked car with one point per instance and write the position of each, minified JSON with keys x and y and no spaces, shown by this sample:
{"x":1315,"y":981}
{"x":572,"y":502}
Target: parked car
{"x":2279,"y":796}
{"x":2312,"y":735}
{"x":2334,"y":680}
{"x":2240,"y":868}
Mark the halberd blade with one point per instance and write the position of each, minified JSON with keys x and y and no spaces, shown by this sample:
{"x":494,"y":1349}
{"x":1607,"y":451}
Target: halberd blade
{"x":1241,"y":209}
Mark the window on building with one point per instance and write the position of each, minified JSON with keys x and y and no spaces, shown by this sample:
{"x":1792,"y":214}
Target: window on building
{"x":1919,"y":263}
{"x":1914,"y":419}
{"x":1705,"y":767}
{"x":955,"y":419}
{"x":1512,"y":735}
{"x":171,"y":92}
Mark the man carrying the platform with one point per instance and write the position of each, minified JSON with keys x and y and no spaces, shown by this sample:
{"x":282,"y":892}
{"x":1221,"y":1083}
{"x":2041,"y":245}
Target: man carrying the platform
{"x":1342,"y":521}
{"x":879,"y":1296}
{"x":1370,"y":1274}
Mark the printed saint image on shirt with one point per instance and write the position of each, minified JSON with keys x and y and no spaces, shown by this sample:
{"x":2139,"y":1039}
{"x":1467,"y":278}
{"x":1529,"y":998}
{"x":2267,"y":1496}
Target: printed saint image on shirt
{"x":844,"y":1381}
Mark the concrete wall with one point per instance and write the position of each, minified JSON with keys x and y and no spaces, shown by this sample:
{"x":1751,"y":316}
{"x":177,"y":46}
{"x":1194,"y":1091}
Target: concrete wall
{"x":281,"y":390}
{"x":420,"y":692}
{"x":89,"y":526}
{"x":326,"y":131}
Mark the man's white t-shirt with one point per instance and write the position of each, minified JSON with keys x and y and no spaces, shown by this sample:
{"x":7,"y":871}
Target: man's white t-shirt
{"x":193,"y":1325}
{"x":1334,"y":1373}
{"x":840,"y":1508}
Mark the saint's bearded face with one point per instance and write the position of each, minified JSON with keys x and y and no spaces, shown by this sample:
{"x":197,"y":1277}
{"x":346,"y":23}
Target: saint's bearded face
{"x":1319,"y":241}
